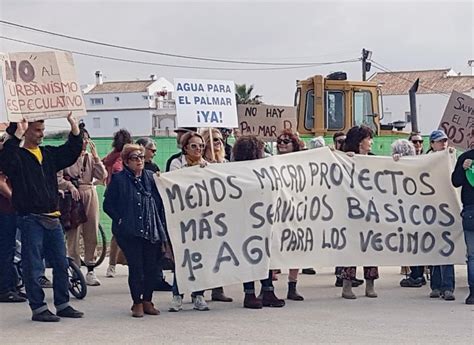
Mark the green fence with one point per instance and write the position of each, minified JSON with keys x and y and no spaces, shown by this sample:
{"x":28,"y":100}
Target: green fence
{"x":166,"y":146}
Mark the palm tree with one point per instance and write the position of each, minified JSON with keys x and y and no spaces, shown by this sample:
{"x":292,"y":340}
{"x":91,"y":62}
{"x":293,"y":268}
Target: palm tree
{"x":244,"y":95}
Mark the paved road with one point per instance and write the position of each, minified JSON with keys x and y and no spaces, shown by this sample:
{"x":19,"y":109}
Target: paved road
{"x":398,"y":316}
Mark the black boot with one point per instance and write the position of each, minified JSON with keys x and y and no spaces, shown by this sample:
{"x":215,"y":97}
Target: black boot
{"x":270,"y":300}
{"x":292,"y":293}
{"x":470,"y":298}
{"x":219,"y":296}
{"x":252,"y":302}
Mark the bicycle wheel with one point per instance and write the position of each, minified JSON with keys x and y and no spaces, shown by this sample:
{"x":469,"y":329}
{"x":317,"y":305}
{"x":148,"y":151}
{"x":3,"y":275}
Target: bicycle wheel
{"x":101,"y":249}
{"x":77,"y":282}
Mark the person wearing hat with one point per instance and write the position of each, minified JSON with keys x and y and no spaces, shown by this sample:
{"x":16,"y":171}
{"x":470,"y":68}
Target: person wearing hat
{"x":180,"y":131}
{"x":463,"y":176}
{"x":442,"y":276}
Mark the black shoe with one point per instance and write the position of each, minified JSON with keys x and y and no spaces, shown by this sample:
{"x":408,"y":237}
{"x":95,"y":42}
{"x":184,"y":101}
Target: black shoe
{"x":338,"y":282}
{"x":70,"y":312}
{"x":163,"y":286}
{"x":309,"y":271}
{"x":45,"y":316}
{"x":470,"y":298}
{"x":410,"y":282}
{"x":21,"y":294}
{"x":11,"y":297}
{"x":45,"y":282}
{"x":357,"y":282}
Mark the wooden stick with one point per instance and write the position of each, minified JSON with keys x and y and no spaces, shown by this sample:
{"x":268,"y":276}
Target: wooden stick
{"x":211,"y":142}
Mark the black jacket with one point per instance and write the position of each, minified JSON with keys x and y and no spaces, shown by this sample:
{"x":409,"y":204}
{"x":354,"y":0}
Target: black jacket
{"x":123,"y":203}
{"x":459,"y":179}
{"x":168,"y":162}
{"x":35,"y":185}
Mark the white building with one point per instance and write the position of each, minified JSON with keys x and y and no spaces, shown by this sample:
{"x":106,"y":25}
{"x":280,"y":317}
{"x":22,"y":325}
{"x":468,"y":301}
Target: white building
{"x":144,"y":107}
{"x":432,"y":96}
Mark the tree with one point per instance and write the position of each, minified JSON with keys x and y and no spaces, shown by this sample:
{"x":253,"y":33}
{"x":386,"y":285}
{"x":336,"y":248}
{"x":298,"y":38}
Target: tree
{"x":243,"y":94}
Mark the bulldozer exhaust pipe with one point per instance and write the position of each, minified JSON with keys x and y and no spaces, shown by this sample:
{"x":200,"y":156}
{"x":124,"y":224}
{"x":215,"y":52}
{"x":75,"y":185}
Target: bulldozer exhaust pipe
{"x":413,"y":114}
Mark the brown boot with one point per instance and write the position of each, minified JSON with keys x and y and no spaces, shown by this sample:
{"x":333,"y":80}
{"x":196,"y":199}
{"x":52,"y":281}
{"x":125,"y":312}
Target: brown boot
{"x":347,"y":289}
{"x":292,"y":293}
{"x":149,"y":308}
{"x":219,"y":296}
{"x":270,"y":300}
{"x":252,"y":302}
{"x":137,"y":310}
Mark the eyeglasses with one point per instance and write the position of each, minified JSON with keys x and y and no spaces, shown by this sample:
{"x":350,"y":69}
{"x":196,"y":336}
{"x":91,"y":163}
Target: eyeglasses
{"x":216,"y":140}
{"x":152,"y":150}
{"x":136,"y":158}
{"x":417,"y":141}
{"x":194,"y":146}
{"x":284,"y":141}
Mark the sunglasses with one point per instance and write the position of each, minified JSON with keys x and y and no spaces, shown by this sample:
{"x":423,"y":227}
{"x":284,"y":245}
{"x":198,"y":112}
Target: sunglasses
{"x":136,"y":158}
{"x":340,"y":141}
{"x":152,"y":150}
{"x":417,"y":141}
{"x":195,"y":146}
{"x":216,"y":140}
{"x":284,"y":141}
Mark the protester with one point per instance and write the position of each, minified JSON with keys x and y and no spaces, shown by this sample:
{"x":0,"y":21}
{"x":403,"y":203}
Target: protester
{"x":316,"y":143}
{"x":288,"y":142}
{"x":359,"y":141}
{"x":79,"y":180}
{"x":338,"y":140}
{"x":113,"y":164}
{"x":459,"y":179}
{"x":249,"y":148}
{"x":411,"y":147}
{"x":8,"y":276}
{"x":442,"y":276}
{"x":150,"y":152}
{"x":192,"y":148}
{"x":226,"y":133}
{"x":32,"y":171}
{"x":179,"y":134}
{"x":218,"y":294}
{"x":135,"y":206}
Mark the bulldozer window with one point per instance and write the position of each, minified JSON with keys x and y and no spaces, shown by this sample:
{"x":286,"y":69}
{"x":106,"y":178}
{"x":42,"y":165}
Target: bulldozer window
{"x":309,"y":111}
{"x":363,"y":109}
{"x":334,"y":110}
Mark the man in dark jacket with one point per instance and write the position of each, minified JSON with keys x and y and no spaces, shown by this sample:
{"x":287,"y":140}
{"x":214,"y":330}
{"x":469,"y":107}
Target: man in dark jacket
{"x":32,"y":172}
{"x":459,"y":179}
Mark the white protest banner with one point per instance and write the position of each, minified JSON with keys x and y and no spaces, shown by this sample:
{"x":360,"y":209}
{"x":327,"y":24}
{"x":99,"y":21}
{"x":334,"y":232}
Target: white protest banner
{"x":205,"y":103}
{"x":40,"y":85}
{"x":265,"y":121}
{"x":458,"y":121}
{"x":317,"y":208}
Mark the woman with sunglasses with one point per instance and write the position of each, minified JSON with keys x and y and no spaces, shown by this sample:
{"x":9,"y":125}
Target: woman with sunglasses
{"x":359,"y":141}
{"x":139,"y":225}
{"x":288,"y":142}
{"x":192,"y":149}
{"x":417,"y":141}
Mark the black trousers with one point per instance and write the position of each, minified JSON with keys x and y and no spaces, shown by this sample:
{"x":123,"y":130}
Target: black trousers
{"x":142,"y":258}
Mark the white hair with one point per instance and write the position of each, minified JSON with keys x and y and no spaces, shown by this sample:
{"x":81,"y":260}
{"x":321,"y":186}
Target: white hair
{"x":403,"y":147}
{"x":317,"y":142}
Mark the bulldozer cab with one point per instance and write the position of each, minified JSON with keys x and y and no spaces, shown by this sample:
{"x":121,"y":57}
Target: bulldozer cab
{"x":334,"y":104}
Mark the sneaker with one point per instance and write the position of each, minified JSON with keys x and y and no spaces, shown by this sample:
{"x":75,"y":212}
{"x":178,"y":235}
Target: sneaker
{"x":200,"y":303}
{"x":410,"y":282}
{"x":110,"y":271}
{"x":310,"y":271}
{"x":176,"y":304}
{"x":45,"y":316}
{"x":435,"y":293}
{"x":70,"y":312}
{"x":91,"y":279}
{"x":448,"y":295}
{"x":11,"y":297}
{"x":45,"y":282}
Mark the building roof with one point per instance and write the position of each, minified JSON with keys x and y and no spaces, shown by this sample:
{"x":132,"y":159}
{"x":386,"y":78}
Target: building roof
{"x":431,"y":81}
{"x":121,"y":86}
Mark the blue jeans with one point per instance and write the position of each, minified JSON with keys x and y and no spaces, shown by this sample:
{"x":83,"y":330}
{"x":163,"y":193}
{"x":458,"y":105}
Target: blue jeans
{"x":442,"y":278}
{"x":469,"y":238}
{"x":8,"y":276}
{"x":267,"y":284}
{"x":417,"y":272}
{"x":37,"y":242}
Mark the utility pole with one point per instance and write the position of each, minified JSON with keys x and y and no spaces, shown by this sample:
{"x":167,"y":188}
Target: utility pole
{"x":366,"y":55}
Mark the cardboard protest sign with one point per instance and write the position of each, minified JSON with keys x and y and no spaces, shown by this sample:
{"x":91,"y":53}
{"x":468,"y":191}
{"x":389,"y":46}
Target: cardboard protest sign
{"x":40,"y":85}
{"x":205,"y":103}
{"x":458,"y":121}
{"x":265,"y":121}
{"x":230,"y":222}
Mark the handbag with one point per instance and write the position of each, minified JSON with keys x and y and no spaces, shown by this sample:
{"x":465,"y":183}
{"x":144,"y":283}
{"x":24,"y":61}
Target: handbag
{"x":73,"y":213}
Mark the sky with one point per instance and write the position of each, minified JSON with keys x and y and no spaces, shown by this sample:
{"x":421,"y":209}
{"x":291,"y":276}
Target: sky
{"x":403,"y":35}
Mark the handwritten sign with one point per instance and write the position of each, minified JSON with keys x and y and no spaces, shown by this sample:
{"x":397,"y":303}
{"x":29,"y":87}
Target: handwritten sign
{"x":205,"y":103}
{"x":230,"y":222}
{"x":458,"y":121}
{"x":265,"y":121}
{"x":40,"y":85}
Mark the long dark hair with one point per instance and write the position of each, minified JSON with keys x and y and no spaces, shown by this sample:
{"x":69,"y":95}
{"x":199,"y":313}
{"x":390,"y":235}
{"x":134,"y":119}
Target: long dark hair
{"x":354,"y":137}
{"x":248,"y":148}
{"x":121,"y":138}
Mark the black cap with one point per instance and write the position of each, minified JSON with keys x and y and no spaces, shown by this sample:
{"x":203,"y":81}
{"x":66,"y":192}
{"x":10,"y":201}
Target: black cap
{"x":185,"y":129}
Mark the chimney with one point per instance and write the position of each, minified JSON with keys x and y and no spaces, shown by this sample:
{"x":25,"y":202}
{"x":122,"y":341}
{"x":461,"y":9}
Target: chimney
{"x":153,"y":77}
{"x":471,"y":64}
{"x":98,"y":78}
